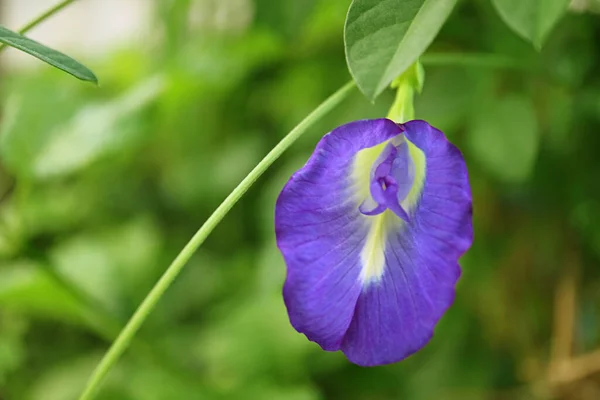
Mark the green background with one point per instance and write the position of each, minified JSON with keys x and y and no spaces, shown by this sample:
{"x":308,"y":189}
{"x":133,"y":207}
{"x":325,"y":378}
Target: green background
{"x":105,"y":185}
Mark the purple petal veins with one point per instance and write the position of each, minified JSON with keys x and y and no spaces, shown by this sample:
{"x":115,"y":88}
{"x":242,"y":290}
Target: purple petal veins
{"x":371,"y":230}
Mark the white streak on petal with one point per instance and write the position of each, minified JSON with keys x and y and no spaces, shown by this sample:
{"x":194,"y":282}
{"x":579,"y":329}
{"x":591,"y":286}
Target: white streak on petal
{"x":373,"y":253}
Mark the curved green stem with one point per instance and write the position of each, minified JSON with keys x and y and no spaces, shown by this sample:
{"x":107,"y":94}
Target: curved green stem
{"x":146,"y":307}
{"x":50,"y":12}
{"x":42,"y":17}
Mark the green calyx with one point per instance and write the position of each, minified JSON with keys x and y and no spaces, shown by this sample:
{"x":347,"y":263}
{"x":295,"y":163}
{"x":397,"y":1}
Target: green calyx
{"x":406,"y":85}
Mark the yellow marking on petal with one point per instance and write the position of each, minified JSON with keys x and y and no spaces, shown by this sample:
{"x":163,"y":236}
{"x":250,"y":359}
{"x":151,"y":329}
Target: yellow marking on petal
{"x":418,"y":158}
{"x":363,"y":162}
{"x":373,"y":253}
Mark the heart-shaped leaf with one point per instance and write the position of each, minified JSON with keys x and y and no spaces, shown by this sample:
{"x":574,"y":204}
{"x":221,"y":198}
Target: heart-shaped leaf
{"x":504,"y":138}
{"x":46,"y":54}
{"x":531,"y":19}
{"x":385,"y":37}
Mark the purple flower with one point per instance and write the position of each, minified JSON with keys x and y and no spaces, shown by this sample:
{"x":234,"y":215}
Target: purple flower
{"x":371,"y":229}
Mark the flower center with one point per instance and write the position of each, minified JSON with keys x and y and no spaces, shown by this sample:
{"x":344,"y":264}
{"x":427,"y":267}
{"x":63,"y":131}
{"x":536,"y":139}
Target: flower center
{"x":392,"y":177}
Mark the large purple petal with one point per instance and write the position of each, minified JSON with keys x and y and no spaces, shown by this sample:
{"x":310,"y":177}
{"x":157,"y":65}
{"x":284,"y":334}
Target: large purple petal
{"x":321,"y":232}
{"x":374,"y":286}
{"x":396,"y":317}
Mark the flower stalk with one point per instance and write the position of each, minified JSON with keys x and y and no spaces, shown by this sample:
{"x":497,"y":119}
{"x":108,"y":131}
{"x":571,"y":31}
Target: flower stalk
{"x":127,"y":334}
{"x":406,"y":85}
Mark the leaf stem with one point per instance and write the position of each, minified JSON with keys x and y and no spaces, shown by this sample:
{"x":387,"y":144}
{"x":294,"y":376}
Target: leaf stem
{"x":482,"y":60}
{"x":41,"y":18}
{"x":143,"y":311}
{"x":50,"y":12}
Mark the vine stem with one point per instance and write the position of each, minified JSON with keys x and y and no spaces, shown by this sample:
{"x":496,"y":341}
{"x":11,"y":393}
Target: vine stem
{"x":42,"y":17}
{"x":479,"y":60}
{"x":145,"y":308}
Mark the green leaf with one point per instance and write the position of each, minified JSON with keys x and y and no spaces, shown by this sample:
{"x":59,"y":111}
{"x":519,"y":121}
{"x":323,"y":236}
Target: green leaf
{"x":286,"y":17}
{"x":385,"y":37}
{"x":45,"y":143}
{"x":531,"y":19}
{"x":26,"y":286}
{"x":504,"y":138}
{"x":46,"y":54}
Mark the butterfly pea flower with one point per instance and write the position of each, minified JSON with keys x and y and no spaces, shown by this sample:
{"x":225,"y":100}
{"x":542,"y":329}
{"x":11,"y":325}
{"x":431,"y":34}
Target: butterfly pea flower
{"x":371,"y":230}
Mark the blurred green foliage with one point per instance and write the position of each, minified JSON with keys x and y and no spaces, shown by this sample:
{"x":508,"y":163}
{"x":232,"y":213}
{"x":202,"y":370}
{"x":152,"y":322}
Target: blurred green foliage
{"x":105,"y":185}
